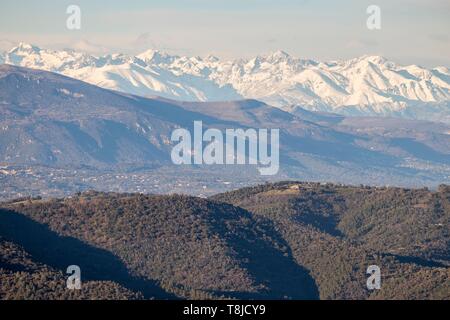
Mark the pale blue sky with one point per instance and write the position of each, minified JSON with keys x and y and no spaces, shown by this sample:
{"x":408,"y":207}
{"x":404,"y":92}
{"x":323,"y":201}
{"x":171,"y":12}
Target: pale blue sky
{"x":413,"y":31}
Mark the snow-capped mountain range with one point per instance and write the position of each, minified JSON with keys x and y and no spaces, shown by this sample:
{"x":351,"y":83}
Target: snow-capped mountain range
{"x":368,"y":85}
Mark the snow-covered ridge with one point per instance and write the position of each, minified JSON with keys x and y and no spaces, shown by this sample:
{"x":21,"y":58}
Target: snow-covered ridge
{"x":366,"y":85}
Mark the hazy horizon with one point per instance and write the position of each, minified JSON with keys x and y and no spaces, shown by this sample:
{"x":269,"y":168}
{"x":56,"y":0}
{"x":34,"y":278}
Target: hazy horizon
{"x":412,"y":32}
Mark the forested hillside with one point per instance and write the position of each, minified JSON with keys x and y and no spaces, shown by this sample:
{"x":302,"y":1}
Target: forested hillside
{"x":23,"y":278}
{"x":337,"y":231}
{"x":286,"y":240}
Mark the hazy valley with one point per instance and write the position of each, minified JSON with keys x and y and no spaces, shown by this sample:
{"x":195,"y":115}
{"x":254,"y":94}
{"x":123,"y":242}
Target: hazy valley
{"x":59,"y":136}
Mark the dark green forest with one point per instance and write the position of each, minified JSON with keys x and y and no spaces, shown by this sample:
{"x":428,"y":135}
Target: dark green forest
{"x":288,"y":240}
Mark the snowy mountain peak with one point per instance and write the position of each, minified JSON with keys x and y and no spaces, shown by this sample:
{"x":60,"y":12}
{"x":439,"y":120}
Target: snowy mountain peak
{"x":366,"y":85}
{"x":375,"y":59}
{"x":278,"y":55}
{"x":211,"y":58}
{"x":24,"y":48}
{"x":152,"y":56}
